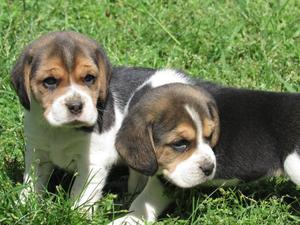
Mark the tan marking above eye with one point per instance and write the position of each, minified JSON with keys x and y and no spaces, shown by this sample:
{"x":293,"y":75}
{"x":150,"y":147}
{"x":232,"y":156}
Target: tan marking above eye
{"x":83,"y":61}
{"x":208,"y":127}
{"x":185,"y":131}
{"x":51,"y":67}
{"x":87,"y":66}
{"x":52,"y":70}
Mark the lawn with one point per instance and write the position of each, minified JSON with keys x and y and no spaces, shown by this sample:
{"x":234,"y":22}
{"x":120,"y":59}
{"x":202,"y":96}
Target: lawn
{"x":242,"y":43}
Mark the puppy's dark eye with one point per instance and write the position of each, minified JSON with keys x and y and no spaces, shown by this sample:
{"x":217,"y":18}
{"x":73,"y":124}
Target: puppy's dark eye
{"x":89,"y":79}
{"x":50,"y":83}
{"x":181,"y":145}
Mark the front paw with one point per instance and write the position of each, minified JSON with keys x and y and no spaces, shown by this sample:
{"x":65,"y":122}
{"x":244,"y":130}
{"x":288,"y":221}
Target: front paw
{"x":24,"y":195}
{"x":128,"y":220}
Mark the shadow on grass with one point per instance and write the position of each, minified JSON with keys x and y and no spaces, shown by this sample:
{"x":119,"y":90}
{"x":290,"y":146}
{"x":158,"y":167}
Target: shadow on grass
{"x":251,"y":193}
{"x":242,"y":195}
{"x":14,"y":170}
{"x":116,"y":182}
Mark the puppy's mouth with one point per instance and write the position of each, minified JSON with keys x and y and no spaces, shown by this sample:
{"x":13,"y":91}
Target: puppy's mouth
{"x":76,"y":124}
{"x":188,"y":177}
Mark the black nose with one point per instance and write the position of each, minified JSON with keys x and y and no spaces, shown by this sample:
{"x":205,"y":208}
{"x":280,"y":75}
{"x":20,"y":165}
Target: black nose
{"x":207,"y":168}
{"x":75,"y":107}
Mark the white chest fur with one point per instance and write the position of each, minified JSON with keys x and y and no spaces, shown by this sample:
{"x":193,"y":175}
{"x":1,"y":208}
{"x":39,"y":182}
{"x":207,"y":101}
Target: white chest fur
{"x":66,"y":147}
{"x":61,"y":146}
{"x":91,"y":155}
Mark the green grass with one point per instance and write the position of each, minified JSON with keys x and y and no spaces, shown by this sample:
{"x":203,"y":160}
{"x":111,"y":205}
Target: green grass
{"x":252,"y":44}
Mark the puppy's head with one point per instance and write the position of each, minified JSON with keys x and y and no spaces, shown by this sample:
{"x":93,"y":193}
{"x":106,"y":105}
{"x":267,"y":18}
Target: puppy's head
{"x":66,"y":74}
{"x":172,"y":129}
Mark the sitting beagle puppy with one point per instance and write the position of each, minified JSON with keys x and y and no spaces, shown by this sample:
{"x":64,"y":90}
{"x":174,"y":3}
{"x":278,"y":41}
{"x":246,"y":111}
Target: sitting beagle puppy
{"x":62,"y":81}
{"x":164,"y":134}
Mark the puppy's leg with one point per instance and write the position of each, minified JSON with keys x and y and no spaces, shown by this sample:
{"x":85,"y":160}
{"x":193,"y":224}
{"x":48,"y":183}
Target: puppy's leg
{"x":147,"y":206}
{"x":88,"y":185}
{"x":292,"y":167}
{"x":37,"y":172}
{"x":136,"y":182}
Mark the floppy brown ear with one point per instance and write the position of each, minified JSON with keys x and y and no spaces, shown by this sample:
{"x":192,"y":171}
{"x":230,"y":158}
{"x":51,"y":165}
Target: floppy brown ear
{"x":20,"y":78}
{"x":105,"y":73}
{"x":134,"y":143}
{"x":212,"y":125}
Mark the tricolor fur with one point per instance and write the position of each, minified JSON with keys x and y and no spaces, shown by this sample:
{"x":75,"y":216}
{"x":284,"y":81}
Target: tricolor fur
{"x":168,"y":129}
{"x":62,"y":79}
{"x":259,"y":136}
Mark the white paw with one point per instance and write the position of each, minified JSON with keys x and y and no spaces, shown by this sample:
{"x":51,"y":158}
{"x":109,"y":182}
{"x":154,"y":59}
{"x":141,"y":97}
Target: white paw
{"x":25,"y":192}
{"x":127,"y":220}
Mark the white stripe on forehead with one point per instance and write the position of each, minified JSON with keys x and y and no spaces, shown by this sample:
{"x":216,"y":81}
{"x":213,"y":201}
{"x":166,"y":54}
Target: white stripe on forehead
{"x":195,"y":117}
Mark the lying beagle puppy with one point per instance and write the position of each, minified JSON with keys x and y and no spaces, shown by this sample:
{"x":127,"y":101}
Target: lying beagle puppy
{"x":62,"y":81}
{"x":170,"y":135}
{"x":167,"y":130}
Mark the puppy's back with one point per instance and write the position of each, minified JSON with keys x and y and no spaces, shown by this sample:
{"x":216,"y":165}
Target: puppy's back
{"x":258,"y":130}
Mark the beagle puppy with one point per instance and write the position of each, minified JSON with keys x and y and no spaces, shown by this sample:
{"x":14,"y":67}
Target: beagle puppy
{"x":172,"y":133}
{"x":62,"y":81}
{"x":168,"y":130}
